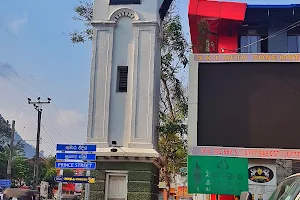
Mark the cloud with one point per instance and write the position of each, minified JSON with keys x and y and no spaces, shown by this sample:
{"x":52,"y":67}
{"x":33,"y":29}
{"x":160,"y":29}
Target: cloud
{"x":13,"y":24}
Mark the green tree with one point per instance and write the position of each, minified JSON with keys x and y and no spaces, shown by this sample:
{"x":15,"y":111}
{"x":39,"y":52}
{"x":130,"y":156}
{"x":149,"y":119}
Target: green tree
{"x":51,"y":173}
{"x":204,"y":42}
{"x":29,"y":172}
{"x":173,"y":105}
{"x":5,"y":132}
{"x":18,"y":156}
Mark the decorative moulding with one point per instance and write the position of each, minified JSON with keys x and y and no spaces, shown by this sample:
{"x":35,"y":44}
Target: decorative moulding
{"x":124,"y":12}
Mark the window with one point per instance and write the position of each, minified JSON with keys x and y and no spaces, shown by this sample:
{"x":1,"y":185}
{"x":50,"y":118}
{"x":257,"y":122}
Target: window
{"x":116,"y":186}
{"x":254,"y":48}
{"x":122,"y":79}
{"x":288,"y":189}
{"x":120,"y":2}
{"x":293,"y":44}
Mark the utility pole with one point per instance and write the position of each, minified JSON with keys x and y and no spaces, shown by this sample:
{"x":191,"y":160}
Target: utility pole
{"x":11,"y":147}
{"x":38,"y":107}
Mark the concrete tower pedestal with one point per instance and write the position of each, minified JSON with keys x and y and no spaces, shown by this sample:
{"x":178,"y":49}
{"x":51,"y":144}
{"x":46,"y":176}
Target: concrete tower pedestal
{"x":124,"y":98}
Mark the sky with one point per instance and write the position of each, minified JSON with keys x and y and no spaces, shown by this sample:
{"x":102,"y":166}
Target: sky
{"x":37,"y":58}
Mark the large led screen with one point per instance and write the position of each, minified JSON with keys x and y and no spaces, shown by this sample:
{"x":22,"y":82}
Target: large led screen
{"x":249,"y":105}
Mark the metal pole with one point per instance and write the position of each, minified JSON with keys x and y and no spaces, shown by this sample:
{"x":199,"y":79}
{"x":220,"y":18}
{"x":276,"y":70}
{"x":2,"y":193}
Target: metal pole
{"x":37,"y":149}
{"x":38,"y":106}
{"x":87,"y":187}
{"x":59,"y":192}
{"x":11,"y":147}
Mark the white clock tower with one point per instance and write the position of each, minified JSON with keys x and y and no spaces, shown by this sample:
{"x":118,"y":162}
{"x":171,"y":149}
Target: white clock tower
{"x":124,"y":98}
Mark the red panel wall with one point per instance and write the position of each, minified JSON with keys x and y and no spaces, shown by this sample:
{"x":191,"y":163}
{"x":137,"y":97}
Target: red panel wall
{"x":228,"y":15}
{"x":234,"y":11}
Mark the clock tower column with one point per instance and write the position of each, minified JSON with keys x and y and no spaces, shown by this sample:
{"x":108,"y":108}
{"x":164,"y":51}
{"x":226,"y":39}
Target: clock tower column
{"x":124,"y":98}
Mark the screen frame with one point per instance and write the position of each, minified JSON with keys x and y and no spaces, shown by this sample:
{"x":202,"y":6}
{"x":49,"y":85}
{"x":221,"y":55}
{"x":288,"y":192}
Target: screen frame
{"x":195,"y":60}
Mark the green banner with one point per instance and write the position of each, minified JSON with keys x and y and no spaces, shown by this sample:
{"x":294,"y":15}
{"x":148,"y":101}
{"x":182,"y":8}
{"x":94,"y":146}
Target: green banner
{"x":217,"y":175}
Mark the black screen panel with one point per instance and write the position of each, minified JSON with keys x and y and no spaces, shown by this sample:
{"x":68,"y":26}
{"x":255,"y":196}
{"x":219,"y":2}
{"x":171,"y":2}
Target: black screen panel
{"x":249,"y":105}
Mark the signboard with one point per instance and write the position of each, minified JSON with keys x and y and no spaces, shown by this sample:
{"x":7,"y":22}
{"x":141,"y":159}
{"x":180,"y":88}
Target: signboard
{"x":252,"y":57}
{"x":262,"y":172}
{"x":217,"y":175}
{"x":263,"y":153}
{"x":78,"y":187}
{"x":44,"y":189}
{"x":5,"y":183}
{"x":75,"y":165}
{"x":75,"y":156}
{"x":76,"y":147}
{"x":74,"y":179}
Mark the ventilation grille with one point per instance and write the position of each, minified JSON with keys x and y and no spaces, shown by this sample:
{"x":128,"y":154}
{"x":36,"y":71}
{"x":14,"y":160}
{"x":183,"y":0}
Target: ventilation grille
{"x":122,"y":79}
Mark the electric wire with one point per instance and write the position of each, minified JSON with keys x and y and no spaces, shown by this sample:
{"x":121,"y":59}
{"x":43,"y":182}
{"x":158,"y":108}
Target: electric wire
{"x":67,"y":122}
{"x":17,"y":110}
{"x":48,"y":146}
{"x":48,"y":134}
{"x":12,"y":89}
{"x":18,"y":114}
{"x":26,"y":124}
{"x":60,"y":125}
{"x":6,"y":92}
{"x":290,"y":27}
{"x":55,"y":129}
{"x":9,"y":67}
{"x":17,"y":84}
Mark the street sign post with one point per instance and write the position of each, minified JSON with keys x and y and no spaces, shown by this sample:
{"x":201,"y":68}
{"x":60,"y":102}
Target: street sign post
{"x":76,"y":147}
{"x":5,"y":183}
{"x":75,"y":165}
{"x":80,"y":153}
{"x":74,"y":179}
{"x":217,"y":175}
{"x":75,"y":156}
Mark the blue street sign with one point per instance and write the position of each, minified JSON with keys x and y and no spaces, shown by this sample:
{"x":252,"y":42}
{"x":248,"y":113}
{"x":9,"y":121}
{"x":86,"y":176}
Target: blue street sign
{"x":75,"y":147}
{"x":74,"y":179}
{"x":5,"y":183}
{"x":75,"y":156}
{"x":75,"y":165}
{"x":59,"y":179}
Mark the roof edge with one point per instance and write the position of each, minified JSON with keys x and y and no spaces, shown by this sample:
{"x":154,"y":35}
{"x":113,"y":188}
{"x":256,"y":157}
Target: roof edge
{"x":274,"y":6}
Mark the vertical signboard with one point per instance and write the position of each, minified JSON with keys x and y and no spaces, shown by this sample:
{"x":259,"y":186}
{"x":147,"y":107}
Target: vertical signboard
{"x":262,"y":178}
{"x":44,"y":189}
{"x":217,"y":175}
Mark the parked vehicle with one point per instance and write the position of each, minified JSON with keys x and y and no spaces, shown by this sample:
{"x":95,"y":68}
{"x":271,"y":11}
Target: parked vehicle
{"x":288,"y":189}
{"x":20,"y":194}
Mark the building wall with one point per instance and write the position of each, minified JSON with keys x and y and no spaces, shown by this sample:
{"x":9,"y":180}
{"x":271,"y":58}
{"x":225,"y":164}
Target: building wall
{"x":273,"y":20}
{"x":278,"y":44}
{"x":145,"y":9}
{"x":125,"y":37}
{"x":142,"y":180}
